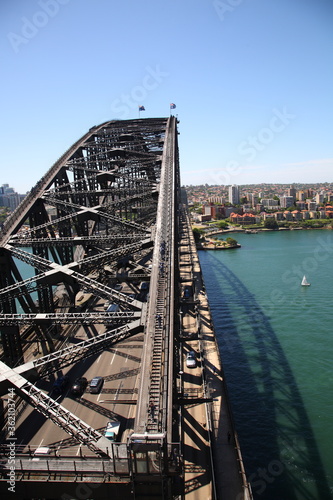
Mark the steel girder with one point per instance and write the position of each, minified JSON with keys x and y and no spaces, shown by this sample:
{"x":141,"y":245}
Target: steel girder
{"x":48,"y":407}
{"x":102,"y":192}
{"x":85,"y":318}
{"x":58,"y":360}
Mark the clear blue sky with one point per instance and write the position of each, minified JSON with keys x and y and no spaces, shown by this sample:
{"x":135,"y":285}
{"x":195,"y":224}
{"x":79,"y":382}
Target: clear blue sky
{"x":252,"y":81}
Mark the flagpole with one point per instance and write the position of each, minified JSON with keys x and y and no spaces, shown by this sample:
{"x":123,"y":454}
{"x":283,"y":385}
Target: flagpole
{"x":141,"y":108}
{"x":172,"y":106}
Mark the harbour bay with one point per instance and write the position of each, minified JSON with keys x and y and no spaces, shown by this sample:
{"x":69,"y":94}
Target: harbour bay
{"x":276,"y":344}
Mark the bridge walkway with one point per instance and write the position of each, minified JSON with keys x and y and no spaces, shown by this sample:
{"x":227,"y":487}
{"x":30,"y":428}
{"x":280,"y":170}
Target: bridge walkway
{"x":211,"y":421}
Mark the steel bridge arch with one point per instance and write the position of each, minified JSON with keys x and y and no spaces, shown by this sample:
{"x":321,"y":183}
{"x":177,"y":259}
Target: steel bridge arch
{"x":107,"y":204}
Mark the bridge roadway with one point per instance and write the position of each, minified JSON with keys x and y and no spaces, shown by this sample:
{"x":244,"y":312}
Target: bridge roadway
{"x":172,"y":439}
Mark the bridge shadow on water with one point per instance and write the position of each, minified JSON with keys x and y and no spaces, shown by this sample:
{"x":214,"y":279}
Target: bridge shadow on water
{"x":278,"y":445}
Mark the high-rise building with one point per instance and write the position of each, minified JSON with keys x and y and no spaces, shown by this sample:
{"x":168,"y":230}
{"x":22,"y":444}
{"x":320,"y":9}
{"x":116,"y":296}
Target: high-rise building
{"x":286,"y":201}
{"x":291,"y":192}
{"x":9,"y":198}
{"x":252,"y":199}
{"x":234,"y":194}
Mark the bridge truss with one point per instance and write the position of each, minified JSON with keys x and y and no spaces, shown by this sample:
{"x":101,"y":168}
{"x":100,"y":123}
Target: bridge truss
{"x":103,"y":211}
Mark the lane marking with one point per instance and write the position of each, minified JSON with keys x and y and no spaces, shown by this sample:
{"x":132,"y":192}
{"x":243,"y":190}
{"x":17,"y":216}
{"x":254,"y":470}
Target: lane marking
{"x":114,"y":355}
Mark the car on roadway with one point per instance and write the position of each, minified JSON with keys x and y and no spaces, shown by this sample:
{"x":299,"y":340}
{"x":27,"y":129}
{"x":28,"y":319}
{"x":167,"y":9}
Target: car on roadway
{"x":96,"y":385}
{"x":189,"y":335}
{"x":112,"y":431}
{"x":118,"y":287}
{"x":191,"y":359}
{"x":108,"y":307}
{"x":60,"y":384}
{"x":79,"y":386}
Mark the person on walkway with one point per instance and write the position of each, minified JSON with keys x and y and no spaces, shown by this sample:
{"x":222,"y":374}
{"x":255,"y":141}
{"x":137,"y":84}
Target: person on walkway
{"x":152,"y":410}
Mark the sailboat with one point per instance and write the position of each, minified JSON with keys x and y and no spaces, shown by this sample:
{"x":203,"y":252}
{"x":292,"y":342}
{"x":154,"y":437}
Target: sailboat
{"x":305,"y":281}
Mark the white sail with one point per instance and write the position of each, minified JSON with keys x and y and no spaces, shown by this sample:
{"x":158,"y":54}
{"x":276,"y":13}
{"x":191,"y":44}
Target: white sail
{"x":305,"y":282}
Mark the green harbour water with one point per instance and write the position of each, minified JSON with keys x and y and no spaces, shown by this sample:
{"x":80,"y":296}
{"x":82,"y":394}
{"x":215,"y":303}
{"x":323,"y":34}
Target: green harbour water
{"x":276,"y":344}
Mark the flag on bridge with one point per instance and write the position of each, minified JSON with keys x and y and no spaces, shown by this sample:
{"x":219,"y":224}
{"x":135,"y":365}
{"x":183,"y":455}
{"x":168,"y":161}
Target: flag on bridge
{"x":142,"y":108}
{"x":172,"y":105}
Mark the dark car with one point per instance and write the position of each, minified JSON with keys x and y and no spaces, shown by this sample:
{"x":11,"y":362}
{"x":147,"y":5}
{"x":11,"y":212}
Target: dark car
{"x":96,"y":385}
{"x":60,"y":384}
{"x":79,"y":386}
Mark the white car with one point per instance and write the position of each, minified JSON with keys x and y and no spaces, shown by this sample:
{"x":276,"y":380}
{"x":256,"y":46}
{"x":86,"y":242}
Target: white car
{"x":191,"y":360}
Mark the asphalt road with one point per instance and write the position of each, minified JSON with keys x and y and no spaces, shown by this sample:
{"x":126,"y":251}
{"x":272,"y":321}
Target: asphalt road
{"x":119,"y":366}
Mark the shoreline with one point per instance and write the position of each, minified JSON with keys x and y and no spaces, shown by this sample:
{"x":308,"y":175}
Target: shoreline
{"x":261,"y":230}
{"x":211,"y":246}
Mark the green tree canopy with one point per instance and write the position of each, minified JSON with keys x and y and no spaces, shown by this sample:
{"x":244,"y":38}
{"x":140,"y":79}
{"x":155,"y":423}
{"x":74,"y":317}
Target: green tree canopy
{"x":197,"y":234}
{"x":231,"y":241}
{"x":271,"y":224}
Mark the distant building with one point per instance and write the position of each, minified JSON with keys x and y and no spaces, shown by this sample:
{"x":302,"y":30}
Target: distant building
{"x":296,"y":215}
{"x":288,"y":215}
{"x":244,"y":219}
{"x":269,"y":202}
{"x":229,"y":210}
{"x":322,"y":213}
{"x":252,"y":199}
{"x":9,"y":198}
{"x":291,"y":192}
{"x":216,"y":199}
{"x":234,"y":194}
{"x":311,"y":206}
{"x":213,"y":211}
{"x":286,"y":201}
{"x":319,"y":198}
